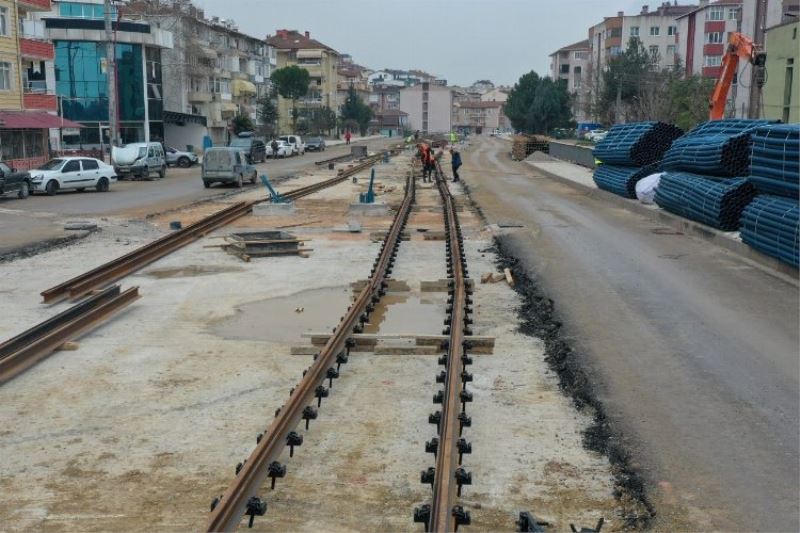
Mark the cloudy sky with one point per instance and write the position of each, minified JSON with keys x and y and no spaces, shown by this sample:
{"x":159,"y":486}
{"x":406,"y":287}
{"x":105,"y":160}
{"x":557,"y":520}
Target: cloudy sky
{"x":460,"y":40}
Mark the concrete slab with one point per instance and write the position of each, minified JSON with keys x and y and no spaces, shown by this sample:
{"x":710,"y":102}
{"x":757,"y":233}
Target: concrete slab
{"x":369,"y":210}
{"x":268,"y":209}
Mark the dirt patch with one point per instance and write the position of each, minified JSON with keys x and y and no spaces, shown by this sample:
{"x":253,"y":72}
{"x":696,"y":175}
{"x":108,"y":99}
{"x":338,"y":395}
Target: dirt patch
{"x":539,"y":319}
{"x":189,"y":271}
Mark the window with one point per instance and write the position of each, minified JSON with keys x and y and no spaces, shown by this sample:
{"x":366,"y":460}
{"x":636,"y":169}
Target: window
{"x":634,"y":31}
{"x":580,"y":56}
{"x":83,"y":10}
{"x":671,"y":50}
{"x":564,"y":69}
{"x":5,"y":77}
{"x":89,"y":164}
{"x":72,"y":166}
{"x":655,"y":30}
{"x":615,"y":50}
{"x":714,"y":37}
{"x":654,"y":53}
{"x":672,"y":30}
{"x":576,"y":80}
{"x":712,"y":61}
{"x":3,"y":21}
{"x":615,"y":32}
{"x":715,"y":13}
{"x":733,"y":13}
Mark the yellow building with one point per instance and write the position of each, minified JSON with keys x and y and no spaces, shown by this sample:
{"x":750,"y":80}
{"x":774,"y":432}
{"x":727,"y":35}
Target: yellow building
{"x":320,"y":60}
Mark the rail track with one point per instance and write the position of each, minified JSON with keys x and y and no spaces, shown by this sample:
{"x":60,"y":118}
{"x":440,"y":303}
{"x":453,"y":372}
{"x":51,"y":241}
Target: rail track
{"x":116,"y":269}
{"x":448,"y":476}
{"x":241,"y":498}
{"x":31,"y":346}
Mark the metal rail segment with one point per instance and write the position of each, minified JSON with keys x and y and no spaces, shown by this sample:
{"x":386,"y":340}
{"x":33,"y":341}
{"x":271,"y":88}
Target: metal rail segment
{"x":120,"y":267}
{"x":240,"y":497}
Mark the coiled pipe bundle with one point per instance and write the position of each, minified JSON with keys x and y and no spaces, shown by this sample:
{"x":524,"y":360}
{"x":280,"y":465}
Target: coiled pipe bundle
{"x":771,"y":224}
{"x":636,"y":144}
{"x":717,"y":148}
{"x":621,"y":180}
{"x":775,"y":167}
{"x":717,"y":203}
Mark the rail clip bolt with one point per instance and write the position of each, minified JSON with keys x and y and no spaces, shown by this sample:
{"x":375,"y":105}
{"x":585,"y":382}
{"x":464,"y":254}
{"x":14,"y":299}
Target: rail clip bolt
{"x":438,"y":397}
{"x":466,"y":359}
{"x":441,"y":377}
{"x":527,"y":523}
{"x":463,"y":447}
{"x":255,"y":507}
{"x":321,"y":392}
{"x":435,"y":418}
{"x":443,"y":360}
{"x":596,"y":529}
{"x":462,"y":478}
{"x":465,"y":421}
{"x":460,"y":515}
{"x":427,"y":476}
{"x":466,"y":397}
{"x":309,"y":414}
{"x":331,"y":374}
{"x":239,"y":466}
{"x":465,"y":377}
{"x":422,"y":514}
{"x":341,"y":359}
{"x":293,"y":439}
{"x":215,"y":502}
{"x":432,"y":446}
{"x":276,"y":470}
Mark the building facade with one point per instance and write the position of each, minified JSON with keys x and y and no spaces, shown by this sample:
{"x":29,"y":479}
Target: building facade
{"x":478,"y":117}
{"x":703,"y":34}
{"x":321,"y":62}
{"x":429,"y":107}
{"x":781,"y":92}
{"x":570,"y":64}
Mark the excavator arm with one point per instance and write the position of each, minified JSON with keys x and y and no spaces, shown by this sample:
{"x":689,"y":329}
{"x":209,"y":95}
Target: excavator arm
{"x":740,"y":46}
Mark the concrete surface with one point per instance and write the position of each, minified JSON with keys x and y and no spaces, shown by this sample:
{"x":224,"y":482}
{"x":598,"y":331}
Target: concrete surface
{"x":693,"y":349}
{"x":162,"y":402}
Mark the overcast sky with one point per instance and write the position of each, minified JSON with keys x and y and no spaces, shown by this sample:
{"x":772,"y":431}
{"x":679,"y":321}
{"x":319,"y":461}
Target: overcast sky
{"x":459,"y":40}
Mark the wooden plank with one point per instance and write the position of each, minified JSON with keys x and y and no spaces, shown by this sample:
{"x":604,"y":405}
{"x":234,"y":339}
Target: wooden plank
{"x":509,"y":277}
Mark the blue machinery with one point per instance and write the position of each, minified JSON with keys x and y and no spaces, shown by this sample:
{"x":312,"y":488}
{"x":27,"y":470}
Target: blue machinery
{"x":369,"y":196}
{"x":274,"y":195}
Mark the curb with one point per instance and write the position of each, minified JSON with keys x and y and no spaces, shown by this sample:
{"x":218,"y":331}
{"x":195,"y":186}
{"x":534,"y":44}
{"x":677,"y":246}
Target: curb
{"x":688,"y":227}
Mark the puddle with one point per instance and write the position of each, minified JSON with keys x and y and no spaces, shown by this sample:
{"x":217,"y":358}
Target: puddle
{"x":403,"y":313}
{"x":190,"y":271}
{"x":277,"y":319}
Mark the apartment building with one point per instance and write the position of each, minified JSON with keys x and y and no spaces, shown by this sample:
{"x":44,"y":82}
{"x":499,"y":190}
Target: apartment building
{"x":321,"y":62}
{"x":703,"y":34}
{"x":355,"y":76}
{"x":384,"y":97}
{"x":570,"y":64}
{"x":215,"y":72}
{"x":429,"y":107}
{"x":478,"y":117}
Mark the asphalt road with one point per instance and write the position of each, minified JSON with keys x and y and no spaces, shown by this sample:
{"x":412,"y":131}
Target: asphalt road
{"x":40,"y":217}
{"x":694,"y":351}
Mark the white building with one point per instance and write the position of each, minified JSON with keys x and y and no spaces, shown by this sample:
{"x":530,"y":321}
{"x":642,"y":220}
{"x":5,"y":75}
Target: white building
{"x":570,"y":64}
{"x":429,"y":107}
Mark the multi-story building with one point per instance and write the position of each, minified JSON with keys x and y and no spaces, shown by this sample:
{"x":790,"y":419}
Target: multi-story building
{"x":475,"y":117}
{"x":429,"y":107}
{"x":389,"y":122}
{"x":215,"y":72}
{"x":321,"y":62}
{"x":77,"y":31}
{"x":384,"y":97}
{"x":781,"y":92}
{"x":355,"y":76}
{"x":498,"y":94}
{"x":570,"y":65}
{"x":703,"y":34}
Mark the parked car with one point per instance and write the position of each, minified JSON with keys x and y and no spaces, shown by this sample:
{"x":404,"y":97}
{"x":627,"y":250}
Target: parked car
{"x":584,"y":128}
{"x":226,"y":164}
{"x":284,"y":149}
{"x":139,"y":160}
{"x":315,"y":144}
{"x":596,"y":135}
{"x":180,"y":158}
{"x":255,"y":149}
{"x":77,"y":173}
{"x":13,"y":181}
{"x":296,"y":142}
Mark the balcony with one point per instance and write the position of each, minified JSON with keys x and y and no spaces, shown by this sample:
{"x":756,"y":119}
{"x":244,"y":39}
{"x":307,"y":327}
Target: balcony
{"x":197,"y":96}
{"x":35,"y":49}
{"x":35,"y":5}
{"x":35,"y":96}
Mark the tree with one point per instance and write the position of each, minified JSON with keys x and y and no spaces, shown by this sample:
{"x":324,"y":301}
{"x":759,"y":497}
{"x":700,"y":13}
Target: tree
{"x":323,"y":120}
{"x":622,"y":80}
{"x":292,"y":84}
{"x":242,"y":123}
{"x":355,"y":110}
{"x":268,"y":113}
{"x":537,"y":105}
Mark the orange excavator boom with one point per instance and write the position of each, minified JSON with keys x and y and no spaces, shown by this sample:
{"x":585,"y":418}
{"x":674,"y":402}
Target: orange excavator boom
{"x":740,"y":46}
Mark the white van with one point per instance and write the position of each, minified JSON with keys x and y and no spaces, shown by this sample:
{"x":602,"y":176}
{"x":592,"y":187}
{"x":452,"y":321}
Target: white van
{"x":296,"y":142}
{"x":139,"y":160}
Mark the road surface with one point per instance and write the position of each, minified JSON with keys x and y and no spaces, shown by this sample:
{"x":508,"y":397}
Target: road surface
{"x":40,"y":217}
{"x":693,"y":350}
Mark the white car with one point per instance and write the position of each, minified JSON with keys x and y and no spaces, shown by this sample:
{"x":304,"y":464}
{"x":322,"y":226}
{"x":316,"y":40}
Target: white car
{"x":180,"y":158}
{"x":296,"y":142}
{"x":596,"y":135}
{"x":77,"y":173}
{"x":284,"y":150}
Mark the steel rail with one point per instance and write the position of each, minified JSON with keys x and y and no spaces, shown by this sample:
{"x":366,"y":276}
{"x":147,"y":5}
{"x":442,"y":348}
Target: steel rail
{"x":229,"y":510}
{"x":444,"y":517}
{"x":118,"y":268}
{"x":31,"y":346}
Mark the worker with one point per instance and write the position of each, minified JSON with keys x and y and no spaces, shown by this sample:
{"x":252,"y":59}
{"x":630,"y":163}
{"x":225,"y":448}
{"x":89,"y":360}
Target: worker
{"x":453,"y":137}
{"x":422,"y":154}
{"x":274,"y":145}
{"x":455,"y":162}
{"x":347,"y":137}
{"x":416,"y":135}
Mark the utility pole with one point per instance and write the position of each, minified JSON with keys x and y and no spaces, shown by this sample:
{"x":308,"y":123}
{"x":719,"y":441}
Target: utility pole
{"x":111,"y":73}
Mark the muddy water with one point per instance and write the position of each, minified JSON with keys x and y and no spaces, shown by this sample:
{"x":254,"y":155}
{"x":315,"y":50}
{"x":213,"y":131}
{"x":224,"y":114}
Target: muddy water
{"x":285,"y":319}
{"x":407,"y":313}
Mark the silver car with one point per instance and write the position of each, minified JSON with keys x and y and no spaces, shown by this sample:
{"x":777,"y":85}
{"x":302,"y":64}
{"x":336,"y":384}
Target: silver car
{"x":180,"y":158}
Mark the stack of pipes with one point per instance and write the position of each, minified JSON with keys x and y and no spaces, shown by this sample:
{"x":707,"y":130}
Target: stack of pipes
{"x":630,"y":152}
{"x":771,"y":223}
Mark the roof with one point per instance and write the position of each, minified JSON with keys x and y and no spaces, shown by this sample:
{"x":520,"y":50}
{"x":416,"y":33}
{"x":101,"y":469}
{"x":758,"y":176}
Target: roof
{"x":294,"y":40}
{"x":34,"y":120}
{"x":479,"y":105}
{"x":580,"y":45}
